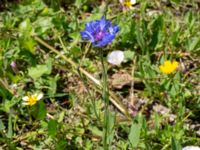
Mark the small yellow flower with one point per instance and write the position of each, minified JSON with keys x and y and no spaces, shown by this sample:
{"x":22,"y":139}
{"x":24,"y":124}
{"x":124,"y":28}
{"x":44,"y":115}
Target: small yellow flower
{"x":129,"y":3}
{"x":168,"y":67}
{"x":32,"y":99}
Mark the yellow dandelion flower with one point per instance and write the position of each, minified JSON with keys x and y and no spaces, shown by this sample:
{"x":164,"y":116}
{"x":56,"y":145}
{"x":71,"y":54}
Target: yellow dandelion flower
{"x":32,"y":99}
{"x":169,"y":67}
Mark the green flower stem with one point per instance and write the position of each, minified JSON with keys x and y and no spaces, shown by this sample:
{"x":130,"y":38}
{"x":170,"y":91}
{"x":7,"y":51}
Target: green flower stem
{"x":113,"y":98}
{"x":87,"y":49}
{"x":90,"y":95}
{"x":105,"y":96}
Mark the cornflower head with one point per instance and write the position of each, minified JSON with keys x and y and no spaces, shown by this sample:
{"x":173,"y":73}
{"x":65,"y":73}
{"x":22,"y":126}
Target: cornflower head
{"x":32,"y":99}
{"x":99,"y":32}
{"x":169,"y":66}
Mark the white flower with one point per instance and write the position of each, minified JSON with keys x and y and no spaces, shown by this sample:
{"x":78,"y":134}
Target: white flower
{"x":32,"y":99}
{"x":116,"y":57}
{"x":128,"y":3}
{"x":133,"y":2}
{"x":191,"y":148}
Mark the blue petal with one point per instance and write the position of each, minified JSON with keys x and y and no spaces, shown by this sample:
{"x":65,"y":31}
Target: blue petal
{"x":87,"y":35}
{"x":89,"y":26}
{"x":107,"y":39}
{"x":92,"y":26}
{"x":104,"y":24}
{"x":114,"y":29}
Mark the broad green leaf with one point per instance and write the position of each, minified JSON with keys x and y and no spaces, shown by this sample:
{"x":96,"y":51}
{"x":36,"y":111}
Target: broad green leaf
{"x":129,"y":55}
{"x":52,"y":85}
{"x":42,"y":24}
{"x":39,"y":70}
{"x":52,"y":127}
{"x":61,"y":116}
{"x":134,"y":135}
{"x":95,"y":131}
{"x":27,"y":43}
{"x":76,"y":51}
{"x":45,"y":11}
{"x":39,"y":110}
{"x":14,"y":78}
{"x":75,"y":35}
{"x":61,"y":145}
{"x":79,"y":130}
{"x":25,"y":27}
{"x":8,"y":104}
{"x":111,"y":131}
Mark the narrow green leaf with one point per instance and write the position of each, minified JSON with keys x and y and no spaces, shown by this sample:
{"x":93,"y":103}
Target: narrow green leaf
{"x":140,"y":38}
{"x":194,"y":44}
{"x":5,"y":93}
{"x":78,"y":3}
{"x":2,"y":127}
{"x":10,"y":131}
{"x":157,"y":27}
{"x":175,"y":144}
{"x":111,"y":131}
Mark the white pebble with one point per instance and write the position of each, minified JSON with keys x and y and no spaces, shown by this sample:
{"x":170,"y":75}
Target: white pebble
{"x":191,"y":148}
{"x":116,"y":57}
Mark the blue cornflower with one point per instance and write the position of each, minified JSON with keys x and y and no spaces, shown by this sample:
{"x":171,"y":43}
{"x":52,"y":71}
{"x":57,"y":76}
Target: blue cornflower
{"x":100,"y":32}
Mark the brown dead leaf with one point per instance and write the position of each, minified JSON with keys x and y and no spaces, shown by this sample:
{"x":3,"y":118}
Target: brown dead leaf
{"x":120,"y":79}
